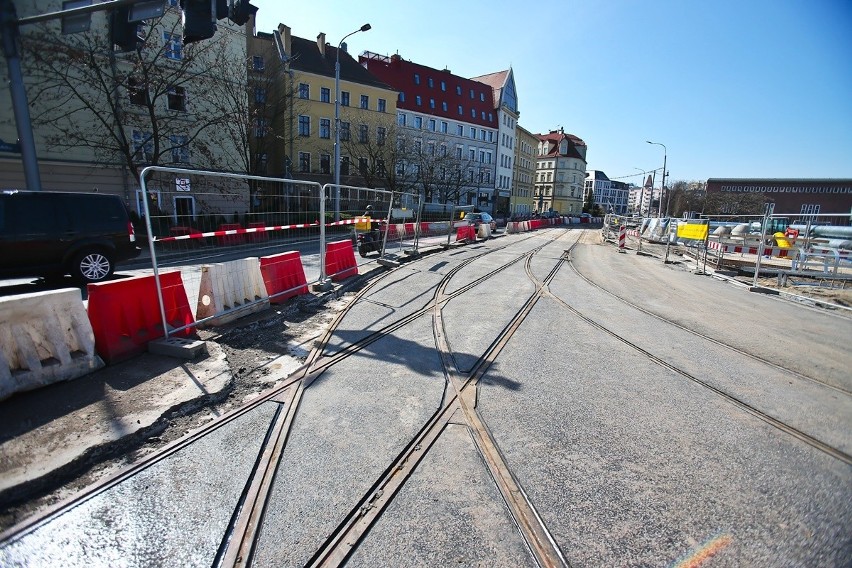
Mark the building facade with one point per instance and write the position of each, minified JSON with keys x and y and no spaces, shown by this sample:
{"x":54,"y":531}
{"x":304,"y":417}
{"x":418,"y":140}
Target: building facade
{"x":505,"y":98}
{"x":526,"y":148}
{"x":611,"y":196}
{"x":560,"y":173}
{"x":794,"y":197}
{"x":309,"y":126}
{"x":450,"y":118}
{"x":96,"y":126}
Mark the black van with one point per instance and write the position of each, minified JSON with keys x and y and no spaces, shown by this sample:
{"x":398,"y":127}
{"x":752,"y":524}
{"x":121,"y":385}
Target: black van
{"x":46,"y":233}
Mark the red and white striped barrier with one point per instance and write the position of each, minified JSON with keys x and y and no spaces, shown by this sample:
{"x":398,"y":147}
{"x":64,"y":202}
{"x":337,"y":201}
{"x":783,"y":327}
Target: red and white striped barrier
{"x":622,"y":237}
{"x":768,"y":251}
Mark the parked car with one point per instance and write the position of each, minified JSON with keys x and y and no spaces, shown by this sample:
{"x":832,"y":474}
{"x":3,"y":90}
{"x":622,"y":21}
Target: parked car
{"x":477,"y":219}
{"x":46,"y":233}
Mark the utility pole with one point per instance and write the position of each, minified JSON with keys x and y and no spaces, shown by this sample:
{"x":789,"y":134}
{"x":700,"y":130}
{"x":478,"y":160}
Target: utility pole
{"x":9,"y":30}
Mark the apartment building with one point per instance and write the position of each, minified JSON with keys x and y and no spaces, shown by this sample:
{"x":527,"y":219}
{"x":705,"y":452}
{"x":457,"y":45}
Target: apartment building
{"x":305,"y":132}
{"x":451,"y":118}
{"x":523,"y":173}
{"x":560,"y":173}
{"x":505,"y":98}
{"x":611,"y":196}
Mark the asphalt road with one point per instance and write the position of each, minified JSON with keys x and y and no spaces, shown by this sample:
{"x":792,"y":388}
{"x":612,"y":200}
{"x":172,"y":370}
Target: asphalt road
{"x":537,"y":399}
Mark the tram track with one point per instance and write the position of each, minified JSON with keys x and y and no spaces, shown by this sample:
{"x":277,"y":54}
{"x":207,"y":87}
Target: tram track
{"x":736,"y":401}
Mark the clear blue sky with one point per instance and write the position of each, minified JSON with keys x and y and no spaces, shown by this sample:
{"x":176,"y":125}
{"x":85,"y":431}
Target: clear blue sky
{"x":745,"y":88}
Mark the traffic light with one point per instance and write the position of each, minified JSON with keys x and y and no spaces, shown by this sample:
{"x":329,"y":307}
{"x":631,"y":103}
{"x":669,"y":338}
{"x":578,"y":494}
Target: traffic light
{"x":124,"y":33}
{"x":198,"y":22}
{"x":241,"y":11}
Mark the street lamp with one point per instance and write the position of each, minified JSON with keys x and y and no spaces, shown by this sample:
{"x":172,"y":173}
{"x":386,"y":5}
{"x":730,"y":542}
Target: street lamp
{"x":663,"y":186}
{"x":363,"y":28}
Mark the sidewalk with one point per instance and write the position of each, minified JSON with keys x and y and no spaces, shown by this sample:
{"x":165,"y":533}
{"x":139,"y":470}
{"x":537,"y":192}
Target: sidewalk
{"x":54,"y":431}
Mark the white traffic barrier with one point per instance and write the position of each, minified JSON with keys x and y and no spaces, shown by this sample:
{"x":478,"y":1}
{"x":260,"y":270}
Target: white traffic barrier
{"x":230,"y":290}
{"x":484,"y":231}
{"x":45,"y":337}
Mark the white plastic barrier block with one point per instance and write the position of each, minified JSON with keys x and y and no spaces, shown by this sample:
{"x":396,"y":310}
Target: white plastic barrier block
{"x":484,"y":231}
{"x":45,"y":337}
{"x":230,"y":290}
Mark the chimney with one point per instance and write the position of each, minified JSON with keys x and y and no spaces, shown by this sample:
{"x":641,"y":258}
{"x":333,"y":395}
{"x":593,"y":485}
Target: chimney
{"x":321,"y":43}
{"x":287,"y":38}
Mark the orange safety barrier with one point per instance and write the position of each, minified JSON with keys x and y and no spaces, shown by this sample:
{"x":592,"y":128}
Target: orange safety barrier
{"x":340,"y":260}
{"x":260,"y":236}
{"x":125,"y":314}
{"x":284,"y":276}
{"x":227,"y":240}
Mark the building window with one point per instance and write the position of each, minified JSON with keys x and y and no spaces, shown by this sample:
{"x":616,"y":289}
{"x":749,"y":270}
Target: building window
{"x":417,"y":100}
{"x":472,"y":96}
{"x":416,"y":78}
{"x":461,"y":110}
{"x":344,"y":98}
{"x":304,"y":91}
{"x":174,"y":46}
{"x":459,"y":130}
{"x":431,"y":103}
{"x":458,"y":152}
{"x":482,"y":156}
{"x":325,"y":95}
{"x":260,"y":127}
{"x":143,"y":146}
{"x":261,"y":163}
{"x":431,"y":83}
{"x":259,"y":95}
{"x":400,"y":118}
{"x":444,"y":106}
{"x":177,"y":98}
{"x":471,"y":154}
{"x":344,"y":131}
{"x":443,"y":85}
{"x":304,"y":125}
{"x":444,"y":126}
{"x":483,"y":115}
{"x":432,"y":124}
{"x":325,"y":128}
{"x":363,"y":133}
{"x":418,"y":122}
{"x":482,"y":97}
{"x":304,"y":162}
{"x":325,"y":163}
{"x":472,"y":133}
{"x":482,"y":135}
{"x":458,"y":90}
{"x":382,"y":105}
{"x":473,"y":113}
{"x":257,"y":63}
{"x":381,"y":134}
{"x":180,"y":150}
{"x":362,"y":166}
{"x":401,"y":97}
{"x":365,"y":101}
{"x":137,"y":92}
{"x":344,"y":165}
{"x":431,"y":148}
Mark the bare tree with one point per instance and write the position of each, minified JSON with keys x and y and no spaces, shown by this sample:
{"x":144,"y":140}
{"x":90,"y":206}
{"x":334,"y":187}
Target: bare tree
{"x":146,"y":107}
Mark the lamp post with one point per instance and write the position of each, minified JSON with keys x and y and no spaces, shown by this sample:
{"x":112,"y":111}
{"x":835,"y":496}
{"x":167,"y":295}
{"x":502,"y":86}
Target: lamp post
{"x":363,"y":28}
{"x":663,"y":185}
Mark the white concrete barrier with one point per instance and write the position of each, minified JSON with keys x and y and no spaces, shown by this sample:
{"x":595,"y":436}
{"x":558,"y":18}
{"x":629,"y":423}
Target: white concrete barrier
{"x":484,"y":231}
{"x":230,"y":290}
{"x":45,"y":337}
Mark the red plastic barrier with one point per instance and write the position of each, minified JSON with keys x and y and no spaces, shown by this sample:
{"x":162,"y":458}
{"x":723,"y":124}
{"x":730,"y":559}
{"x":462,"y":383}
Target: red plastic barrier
{"x":284,"y":276}
{"x":424,"y":229}
{"x":260,"y":236}
{"x":466,"y":233}
{"x":125,"y":314}
{"x":340,"y":260}
{"x":227,"y":240}
{"x":409,"y":230}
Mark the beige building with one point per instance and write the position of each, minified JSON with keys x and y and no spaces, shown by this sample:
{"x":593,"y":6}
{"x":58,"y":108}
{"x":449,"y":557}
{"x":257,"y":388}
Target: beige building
{"x":365,"y":105}
{"x":96,"y":126}
{"x":560,"y":173}
{"x":526,"y":150}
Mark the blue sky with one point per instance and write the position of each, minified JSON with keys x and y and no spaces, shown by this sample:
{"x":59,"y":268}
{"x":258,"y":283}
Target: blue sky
{"x":748,"y":88}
